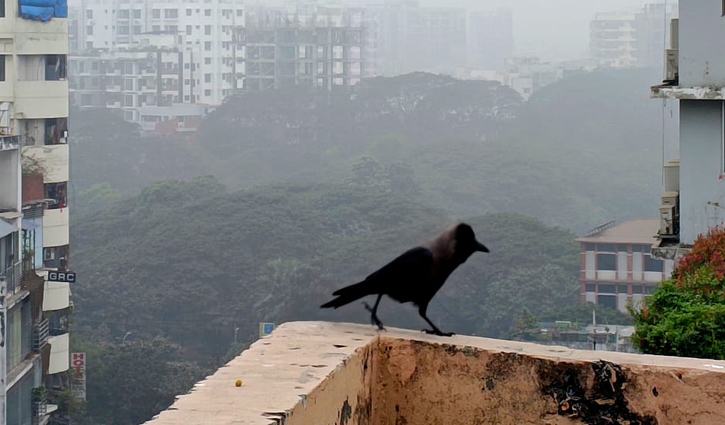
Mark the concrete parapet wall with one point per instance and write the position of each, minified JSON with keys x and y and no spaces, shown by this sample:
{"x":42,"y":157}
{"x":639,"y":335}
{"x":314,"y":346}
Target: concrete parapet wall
{"x":324,"y":373}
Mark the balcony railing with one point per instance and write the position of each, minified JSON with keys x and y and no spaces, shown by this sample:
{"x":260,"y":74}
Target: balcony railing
{"x":9,"y":142}
{"x":41,"y":331}
{"x":13,"y":276}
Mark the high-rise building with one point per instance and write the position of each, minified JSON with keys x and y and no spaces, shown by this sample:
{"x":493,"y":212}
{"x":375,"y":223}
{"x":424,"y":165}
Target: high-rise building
{"x":34,"y":237}
{"x":203,"y":31}
{"x":631,"y":39}
{"x":304,"y":44}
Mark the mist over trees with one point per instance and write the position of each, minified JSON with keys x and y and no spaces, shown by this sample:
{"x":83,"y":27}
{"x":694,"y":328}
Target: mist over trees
{"x":284,"y":196}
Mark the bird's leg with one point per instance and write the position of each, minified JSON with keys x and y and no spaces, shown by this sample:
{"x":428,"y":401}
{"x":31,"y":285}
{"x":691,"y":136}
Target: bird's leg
{"x":422,"y":311}
{"x":374,"y":317}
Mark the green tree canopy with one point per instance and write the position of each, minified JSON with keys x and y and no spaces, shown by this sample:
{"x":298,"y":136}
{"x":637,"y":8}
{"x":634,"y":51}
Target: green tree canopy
{"x":686,"y":316}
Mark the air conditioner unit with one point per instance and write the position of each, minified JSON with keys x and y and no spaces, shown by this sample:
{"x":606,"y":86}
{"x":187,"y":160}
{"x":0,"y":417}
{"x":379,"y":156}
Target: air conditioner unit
{"x":671,"y":199}
{"x":671,"y":64}
{"x":672,"y":176}
{"x":667,"y":220}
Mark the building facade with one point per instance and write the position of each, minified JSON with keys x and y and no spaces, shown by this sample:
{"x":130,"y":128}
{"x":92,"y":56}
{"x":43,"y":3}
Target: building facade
{"x":631,"y":39}
{"x":34,"y":134}
{"x":305,"y":45}
{"x":204,"y":32}
{"x":617,"y":265}
{"x":694,"y":196}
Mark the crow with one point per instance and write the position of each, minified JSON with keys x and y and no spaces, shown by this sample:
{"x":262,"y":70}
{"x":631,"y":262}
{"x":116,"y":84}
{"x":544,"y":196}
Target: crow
{"x":416,"y":275}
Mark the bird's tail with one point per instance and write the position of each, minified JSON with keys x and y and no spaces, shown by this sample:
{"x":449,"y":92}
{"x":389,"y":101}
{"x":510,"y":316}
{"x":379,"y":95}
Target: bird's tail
{"x":348,"y":294}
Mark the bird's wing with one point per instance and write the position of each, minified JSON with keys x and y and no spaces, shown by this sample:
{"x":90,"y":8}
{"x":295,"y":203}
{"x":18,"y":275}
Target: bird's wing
{"x":411,"y":267}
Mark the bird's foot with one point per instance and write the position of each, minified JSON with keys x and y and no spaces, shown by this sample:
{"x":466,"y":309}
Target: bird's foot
{"x":374,"y":319}
{"x":437,"y":332}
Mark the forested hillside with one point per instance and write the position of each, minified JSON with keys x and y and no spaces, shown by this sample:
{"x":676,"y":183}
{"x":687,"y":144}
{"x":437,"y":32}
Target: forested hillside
{"x":305,"y":192}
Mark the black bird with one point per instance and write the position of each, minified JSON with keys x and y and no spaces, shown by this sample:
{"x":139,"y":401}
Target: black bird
{"x":416,"y":275}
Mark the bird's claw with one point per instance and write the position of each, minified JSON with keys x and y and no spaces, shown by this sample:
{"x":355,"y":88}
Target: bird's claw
{"x":437,"y":332}
{"x":374,"y":320}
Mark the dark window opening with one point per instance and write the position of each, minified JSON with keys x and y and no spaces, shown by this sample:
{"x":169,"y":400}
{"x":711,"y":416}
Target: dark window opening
{"x":56,"y":131}
{"x":606,"y":247}
{"x":606,"y":262}
{"x":636,"y":289}
{"x":652,"y":264}
{"x":57,"y":192}
{"x":622,"y":289}
{"x":55,"y":67}
{"x":591,"y":287}
{"x":609,"y":301}
{"x":56,"y":257}
{"x":650,"y":289}
{"x":2,"y":8}
{"x":607,"y":289}
{"x":2,"y":61}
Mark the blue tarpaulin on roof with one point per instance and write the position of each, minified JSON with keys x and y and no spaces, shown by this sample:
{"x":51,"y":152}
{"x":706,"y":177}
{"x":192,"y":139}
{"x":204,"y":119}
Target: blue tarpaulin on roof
{"x":43,"y":10}
{"x":61,"y":9}
{"x":34,"y":13}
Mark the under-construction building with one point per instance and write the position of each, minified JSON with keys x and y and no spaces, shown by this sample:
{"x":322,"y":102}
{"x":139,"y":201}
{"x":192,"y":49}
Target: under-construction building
{"x":306,"y":45}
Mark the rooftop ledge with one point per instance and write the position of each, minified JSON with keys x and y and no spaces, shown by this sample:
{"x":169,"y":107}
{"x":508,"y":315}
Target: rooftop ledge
{"x":316,"y":373}
{"x":665,"y":91}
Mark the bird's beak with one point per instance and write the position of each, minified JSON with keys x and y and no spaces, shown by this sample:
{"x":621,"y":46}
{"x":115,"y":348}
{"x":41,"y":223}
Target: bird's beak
{"x":481,"y":247}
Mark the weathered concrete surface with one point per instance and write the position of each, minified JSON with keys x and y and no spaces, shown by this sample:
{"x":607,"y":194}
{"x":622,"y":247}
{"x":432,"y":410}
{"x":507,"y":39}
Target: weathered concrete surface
{"x":343,"y":374}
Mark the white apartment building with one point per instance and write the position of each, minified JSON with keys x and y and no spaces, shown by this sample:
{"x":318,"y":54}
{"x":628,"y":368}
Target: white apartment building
{"x":34,"y":153}
{"x":203,"y":30}
{"x":633,"y":38}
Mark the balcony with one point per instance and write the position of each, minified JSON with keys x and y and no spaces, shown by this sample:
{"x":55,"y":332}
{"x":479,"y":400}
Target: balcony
{"x":687,"y":93}
{"x":9,"y":142}
{"x":13,"y":276}
{"x":40,"y":335}
{"x":55,"y":227}
{"x":320,"y":373}
{"x":54,"y":159}
{"x":41,"y":99}
{"x":59,"y":353}
{"x":56,"y":296}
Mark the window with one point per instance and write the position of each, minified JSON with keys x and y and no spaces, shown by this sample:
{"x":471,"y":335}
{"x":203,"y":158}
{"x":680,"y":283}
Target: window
{"x":89,"y":30}
{"x":207,"y":12}
{"x":188,"y":12}
{"x":240,"y":11}
{"x":123,"y":30}
{"x":723,"y":8}
{"x":207,"y":78}
{"x":591,"y":287}
{"x":207,"y":61}
{"x":622,"y":289}
{"x":606,"y":262}
{"x":156,"y":28}
{"x":55,"y":67}
{"x":207,"y":92}
{"x":171,"y":13}
{"x":606,"y":247}
{"x":2,"y":66}
{"x":607,"y":289}
{"x":636,"y":289}
{"x":137,"y":14}
{"x":207,"y":45}
{"x":652,"y":264}
{"x":156,"y":13}
{"x":188,"y":30}
{"x":56,"y":131}
{"x":89,"y":14}
{"x":650,"y":289}
{"x":123,"y":14}
{"x":128,"y":100}
{"x":57,"y":193}
{"x":207,"y":29}
{"x":137,"y":29}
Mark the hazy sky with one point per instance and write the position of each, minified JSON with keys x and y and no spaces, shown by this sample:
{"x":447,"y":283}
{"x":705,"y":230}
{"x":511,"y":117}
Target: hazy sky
{"x":550,"y":29}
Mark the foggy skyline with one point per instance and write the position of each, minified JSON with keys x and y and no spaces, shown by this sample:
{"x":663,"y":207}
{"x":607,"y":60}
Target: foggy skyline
{"x":553,"y":30}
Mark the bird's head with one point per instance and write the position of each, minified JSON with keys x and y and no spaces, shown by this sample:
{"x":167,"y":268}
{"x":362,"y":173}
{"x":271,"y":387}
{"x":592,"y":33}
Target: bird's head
{"x":466,"y":243}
